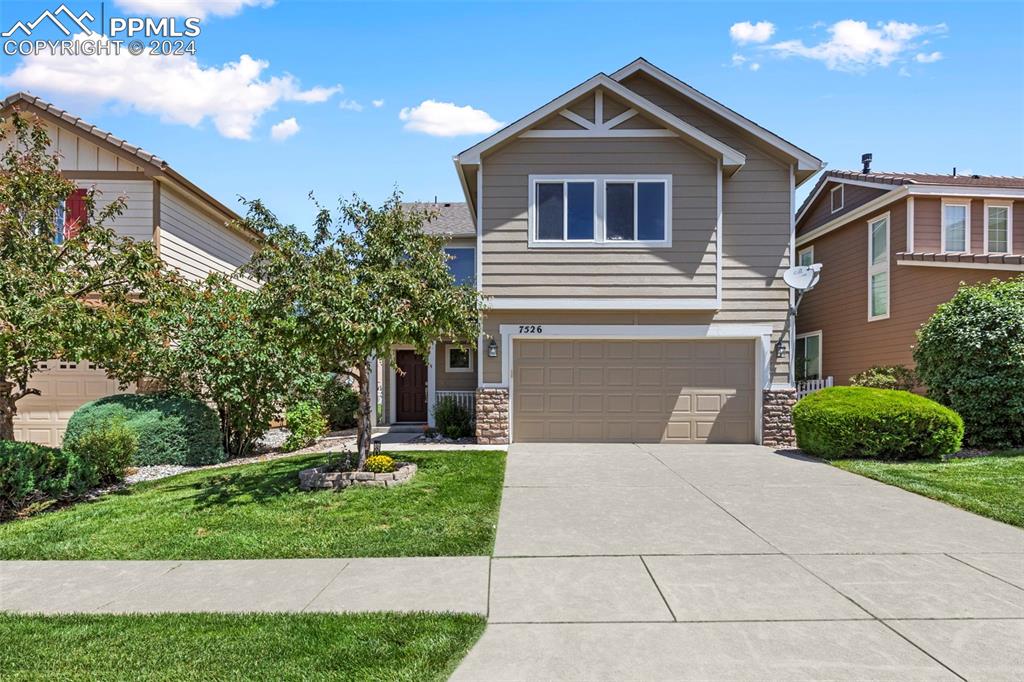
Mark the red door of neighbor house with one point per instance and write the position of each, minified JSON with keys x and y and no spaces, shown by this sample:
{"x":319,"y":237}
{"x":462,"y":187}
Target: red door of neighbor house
{"x":410,"y":387}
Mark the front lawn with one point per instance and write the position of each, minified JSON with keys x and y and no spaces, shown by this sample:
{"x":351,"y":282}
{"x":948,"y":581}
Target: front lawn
{"x":257,"y":511}
{"x":193,"y":646}
{"x":990,"y":486}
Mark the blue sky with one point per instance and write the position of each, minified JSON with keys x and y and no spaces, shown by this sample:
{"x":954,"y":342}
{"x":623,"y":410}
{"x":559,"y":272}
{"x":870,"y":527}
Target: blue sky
{"x":943,"y":86}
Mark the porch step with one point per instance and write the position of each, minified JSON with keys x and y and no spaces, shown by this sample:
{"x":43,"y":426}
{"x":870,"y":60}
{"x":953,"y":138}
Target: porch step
{"x":399,"y":428}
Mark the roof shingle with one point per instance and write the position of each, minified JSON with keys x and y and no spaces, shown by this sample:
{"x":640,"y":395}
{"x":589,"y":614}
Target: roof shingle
{"x":449,"y":217}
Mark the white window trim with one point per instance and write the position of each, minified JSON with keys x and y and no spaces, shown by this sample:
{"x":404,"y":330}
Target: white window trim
{"x":801,"y":252}
{"x":599,"y":240}
{"x":832,"y":198}
{"x":800,"y":337}
{"x":1008,"y":205}
{"x":967,"y":224}
{"x":465,"y":248}
{"x":881,"y":267}
{"x":448,"y":358}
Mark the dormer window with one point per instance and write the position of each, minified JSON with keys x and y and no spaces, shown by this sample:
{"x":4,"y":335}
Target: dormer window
{"x":600,"y":210}
{"x":837,"y":196}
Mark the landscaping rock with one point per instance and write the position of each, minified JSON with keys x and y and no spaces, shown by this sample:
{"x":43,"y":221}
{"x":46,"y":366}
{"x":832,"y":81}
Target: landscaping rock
{"x":327,"y":477}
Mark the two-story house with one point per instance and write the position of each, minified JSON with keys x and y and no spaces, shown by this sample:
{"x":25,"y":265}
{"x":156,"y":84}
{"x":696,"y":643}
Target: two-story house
{"x":194,"y":233}
{"x":893,"y":246}
{"x":630,"y":236}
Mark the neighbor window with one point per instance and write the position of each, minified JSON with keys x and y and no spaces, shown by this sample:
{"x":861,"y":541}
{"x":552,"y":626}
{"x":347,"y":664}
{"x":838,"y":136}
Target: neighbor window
{"x":837,"y":195}
{"x":458,"y":360}
{"x":462,"y":264}
{"x":878,"y":268}
{"x":807,"y":356}
{"x":603,"y":210}
{"x":998,"y":218}
{"x":956,"y":228}
{"x":70,"y":216}
{"x":805,"y":256}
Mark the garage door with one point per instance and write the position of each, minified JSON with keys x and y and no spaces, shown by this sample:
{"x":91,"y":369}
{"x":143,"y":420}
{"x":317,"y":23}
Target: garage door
{"x":633,"y":391}
{"x":65,"y":386}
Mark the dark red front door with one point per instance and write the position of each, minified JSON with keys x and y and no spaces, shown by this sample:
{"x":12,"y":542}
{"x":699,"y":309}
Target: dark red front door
{"x":411,"y":387}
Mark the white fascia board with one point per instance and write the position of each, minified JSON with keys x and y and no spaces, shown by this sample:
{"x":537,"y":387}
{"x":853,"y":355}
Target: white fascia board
{"x":1012,"y":267}
{"x":465,"y":188}
{"x":857,"y":213}
{"x":547,"y":303}
{"x":843,"y":181}
{"x":805,"y":160}
{"x":730,"y":157}
{"x":717,"y":330}
{"x":954,"y":191}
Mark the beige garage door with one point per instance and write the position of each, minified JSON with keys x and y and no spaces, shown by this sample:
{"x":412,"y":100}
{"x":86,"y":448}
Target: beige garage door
{"x":633,"y":391}
{"x":65,"y":386}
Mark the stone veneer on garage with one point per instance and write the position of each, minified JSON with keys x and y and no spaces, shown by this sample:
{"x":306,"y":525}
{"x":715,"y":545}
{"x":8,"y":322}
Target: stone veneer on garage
{"x":492,"y":416}
{"x":777,"y":418}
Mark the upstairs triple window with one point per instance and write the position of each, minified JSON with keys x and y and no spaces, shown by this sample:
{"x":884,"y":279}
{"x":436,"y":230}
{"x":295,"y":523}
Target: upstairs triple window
{"x":956,"y":227}
{"x":998,"y":231}
{"x":600,"y":210}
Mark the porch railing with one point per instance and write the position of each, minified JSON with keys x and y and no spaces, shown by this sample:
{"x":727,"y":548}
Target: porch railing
{"x":464,"y":399}
{"x":811,"y":385}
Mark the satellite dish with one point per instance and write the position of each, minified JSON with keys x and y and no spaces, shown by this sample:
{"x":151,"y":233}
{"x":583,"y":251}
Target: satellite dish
{"x":802,"y":277}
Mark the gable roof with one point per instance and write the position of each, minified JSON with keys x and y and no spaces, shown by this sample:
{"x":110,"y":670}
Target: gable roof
{"x":731,"y":158}
{"x":157,"y":166}
{"x":807,"y":163}
{"x":451,"y":218}
{"x":894,"y":180}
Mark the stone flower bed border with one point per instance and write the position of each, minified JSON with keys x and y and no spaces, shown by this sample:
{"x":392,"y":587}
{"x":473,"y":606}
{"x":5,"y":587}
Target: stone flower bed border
{"x":328,"y":477}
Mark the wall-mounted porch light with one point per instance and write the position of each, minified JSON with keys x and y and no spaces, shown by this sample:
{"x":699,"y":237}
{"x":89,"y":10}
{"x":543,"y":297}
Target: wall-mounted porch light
{"x":492,"y":349}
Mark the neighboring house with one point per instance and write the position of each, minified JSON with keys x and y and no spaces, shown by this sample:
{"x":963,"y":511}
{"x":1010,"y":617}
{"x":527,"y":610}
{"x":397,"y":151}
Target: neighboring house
{"x":194,"y":233}
{"x":630,"y":235}
{"x":893,"y":246}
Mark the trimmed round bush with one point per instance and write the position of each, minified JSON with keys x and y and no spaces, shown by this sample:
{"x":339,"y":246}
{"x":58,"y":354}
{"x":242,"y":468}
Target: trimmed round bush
{"x":853,"y":421}
{"x":306,"y":422}
{"x":109,"y":448}
{"x":970,"y":354}
{"x":31,"y":474}
{"x":170,"y":429}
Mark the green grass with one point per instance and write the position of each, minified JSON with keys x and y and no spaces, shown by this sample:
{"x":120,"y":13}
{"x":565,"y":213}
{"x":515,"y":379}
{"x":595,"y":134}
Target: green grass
{"x":256,"y":511}
{"x":991,"y":486}
{"x":383,"y":646}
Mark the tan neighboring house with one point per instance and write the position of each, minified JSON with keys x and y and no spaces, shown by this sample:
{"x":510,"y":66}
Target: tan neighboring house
{"x":893,"y":246}
{"x":191,"y":230}
{"x":630,"y":235}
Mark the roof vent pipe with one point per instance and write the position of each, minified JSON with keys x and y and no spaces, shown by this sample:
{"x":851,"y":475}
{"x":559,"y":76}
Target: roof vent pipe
{"x":866,"y":160}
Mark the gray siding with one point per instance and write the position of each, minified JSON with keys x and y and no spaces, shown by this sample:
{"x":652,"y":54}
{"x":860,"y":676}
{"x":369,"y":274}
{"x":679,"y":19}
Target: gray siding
{"x":512,"y":269}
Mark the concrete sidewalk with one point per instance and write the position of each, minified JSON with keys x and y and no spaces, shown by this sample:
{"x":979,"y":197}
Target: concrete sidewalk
{"x":281,"y":585}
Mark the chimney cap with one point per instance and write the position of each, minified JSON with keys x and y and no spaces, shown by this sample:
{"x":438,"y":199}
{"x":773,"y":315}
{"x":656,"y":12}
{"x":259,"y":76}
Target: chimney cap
{"x":866,"y":159}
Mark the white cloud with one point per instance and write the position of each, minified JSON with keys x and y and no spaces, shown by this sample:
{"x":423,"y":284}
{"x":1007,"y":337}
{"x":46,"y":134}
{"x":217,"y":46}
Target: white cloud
{"x":738,"y":60}
{"x":350,"y":105}
{"x":234,"y":96}
{"x":929,"y":58}
{"x":755,"y":66}
{"x":855,"y":46}
{"x":378,"y":103}
{"x":445,"y":119}
{"x":190,"y":8}
{"x":745,"y":32}
{"x":285,"y":129}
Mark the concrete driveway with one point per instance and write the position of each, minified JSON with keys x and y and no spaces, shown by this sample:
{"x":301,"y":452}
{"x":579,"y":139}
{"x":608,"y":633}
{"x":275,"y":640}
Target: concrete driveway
{"x":661,"y":562}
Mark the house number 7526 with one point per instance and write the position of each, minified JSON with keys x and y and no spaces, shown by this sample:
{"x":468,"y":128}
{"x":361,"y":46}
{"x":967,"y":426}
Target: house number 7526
{"x":530,"y":329}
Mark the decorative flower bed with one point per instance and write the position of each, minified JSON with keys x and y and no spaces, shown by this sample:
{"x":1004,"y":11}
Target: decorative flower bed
{"x":332,"y":476}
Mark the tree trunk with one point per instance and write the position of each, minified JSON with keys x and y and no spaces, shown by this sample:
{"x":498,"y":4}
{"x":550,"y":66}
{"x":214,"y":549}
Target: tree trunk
{"x":7,"y":411}
{"x":365,"y":429}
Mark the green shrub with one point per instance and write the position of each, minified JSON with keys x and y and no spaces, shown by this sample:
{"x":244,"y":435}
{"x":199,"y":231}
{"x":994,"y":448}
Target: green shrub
{"x":31,"y":474}
{"x":893,"y":377}
{"x":451,"y":419}
{"x":970,"y":355}
{"x":170,"y":429}
{"x":306,"y":422}
{"x":379,"y":464}
{"x":340,"y":402}
{"x":853,"y":421}
{"x":109,"y":448}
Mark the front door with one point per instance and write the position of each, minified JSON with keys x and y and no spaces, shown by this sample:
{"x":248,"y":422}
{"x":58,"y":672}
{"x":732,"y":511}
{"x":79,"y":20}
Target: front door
{"x":410,"y":387}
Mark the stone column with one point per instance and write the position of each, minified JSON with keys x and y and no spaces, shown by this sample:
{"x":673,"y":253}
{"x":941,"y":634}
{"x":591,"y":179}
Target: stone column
{"x":492,"y":416}
{"x":777,"y":418}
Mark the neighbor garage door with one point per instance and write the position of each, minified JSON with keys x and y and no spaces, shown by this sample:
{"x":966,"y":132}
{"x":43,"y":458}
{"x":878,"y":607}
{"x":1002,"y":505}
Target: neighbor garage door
{"x":633,"y":391}
{"x":65,"y":386}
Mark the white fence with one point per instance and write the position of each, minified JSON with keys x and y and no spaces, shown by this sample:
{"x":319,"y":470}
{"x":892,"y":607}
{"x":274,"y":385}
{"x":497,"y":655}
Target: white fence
{"x":811,"y":385}
{"x":464,"y":399}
